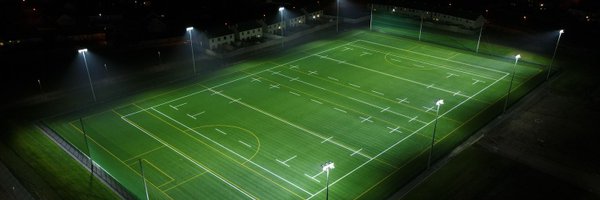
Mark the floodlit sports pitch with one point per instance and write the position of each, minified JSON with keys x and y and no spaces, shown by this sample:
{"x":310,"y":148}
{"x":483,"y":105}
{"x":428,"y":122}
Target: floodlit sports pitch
{"x":263,"y":128}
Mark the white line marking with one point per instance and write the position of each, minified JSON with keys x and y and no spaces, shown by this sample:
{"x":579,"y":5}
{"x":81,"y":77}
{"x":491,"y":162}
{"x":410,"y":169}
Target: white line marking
{"x":274,"y":73}
{"x":394,"y":129}
{"x":216,"y":92}
{"x":231,"y":151}
{"x":366,"y":119}
{"x":394,"y":76}
{"x":245,"y":144}
{"x":195,"y":115}
{"x":354,"y":85}
{"x":313,"y":178}
{"x":312,"y":72}
{"x":456,"y":93}
{"x":220,"y":131}
{"x":475,"y":81}
{"x":356,"y":152}
{"x":408,"y":136}
{"x":379,"y":93}
{"x":462,"y":63}
{"x":335,"y":79}
{"x":316,"y":101}
{"x":329,"y":138}
{"x":294,"y":79}
{"x":274,"y":86}
{"x":419,"y":66}
{"x":428,"y":108}
{"x":294,"y":93}
{"x":255,"y":80}
{"x":177,"y":106}
{"x":413,"y":119}
{"x":303,"y":82}
{"x":188,"y":157}
{"x":232,"y":81}
{"x":285,"y":162}
{"x":364,"y":53}
{"x":378,"y":107}
{"x":405,"y":100}
{"x":294,"y":66}
{"x":450,"y":75}
{"x":295,"y":126}
{"x":340,"y":110}
{"x":385,"y":109}
{"x":347,"y":49}
{"x":235,"y":101}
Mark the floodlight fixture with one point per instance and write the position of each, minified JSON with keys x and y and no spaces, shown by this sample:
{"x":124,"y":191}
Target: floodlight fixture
{"x":560,"y":32}
{"x":189,"y":30}
{"x":82,"y":52}
{"x":326,"y":168}
{"x":511,"y":82}
{"x":438,"y":103}
{"x":281,"y":9}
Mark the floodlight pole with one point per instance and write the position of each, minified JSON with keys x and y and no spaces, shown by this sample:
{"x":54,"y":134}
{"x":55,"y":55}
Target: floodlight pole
{"x":337,"y":18}
{"x":421,"y":27}
{"x":83,"y":51}
{"x":437,"y":112}
{"x":189,"y":30}
{"x":371,"y":20}
{"x":479,"y":39}
{"x":326,"y":167}
{"x":554,"y":54}
{"x":281,"y":9}
{"x":511,"y":82}
{"x":144,"y":179}
{"x":40,"y":84}
{"x":87,"y":146}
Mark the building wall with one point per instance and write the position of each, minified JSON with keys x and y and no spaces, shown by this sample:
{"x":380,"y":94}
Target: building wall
{"x":440,"y":17}
{"x":219,"y":41}
{"x":252,"y":33}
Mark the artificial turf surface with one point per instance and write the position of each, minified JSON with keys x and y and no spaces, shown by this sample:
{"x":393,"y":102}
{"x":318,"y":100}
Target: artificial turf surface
{"x":263,"y":128}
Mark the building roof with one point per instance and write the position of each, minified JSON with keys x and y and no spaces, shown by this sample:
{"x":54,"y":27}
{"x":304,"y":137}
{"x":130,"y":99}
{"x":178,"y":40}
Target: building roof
{"x":443,"y":8}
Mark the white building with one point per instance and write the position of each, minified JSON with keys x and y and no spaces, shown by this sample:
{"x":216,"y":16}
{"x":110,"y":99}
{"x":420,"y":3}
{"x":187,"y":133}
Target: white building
{"x":464,"y":19}
{"x":219,"y":37}
{"x":247,"y":30}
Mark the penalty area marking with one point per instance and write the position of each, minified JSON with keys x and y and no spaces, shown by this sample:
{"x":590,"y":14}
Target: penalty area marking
{"x":176,"y":107}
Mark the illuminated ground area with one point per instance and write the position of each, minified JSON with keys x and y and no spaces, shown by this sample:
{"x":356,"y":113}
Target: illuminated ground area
{"x":262,"y":129}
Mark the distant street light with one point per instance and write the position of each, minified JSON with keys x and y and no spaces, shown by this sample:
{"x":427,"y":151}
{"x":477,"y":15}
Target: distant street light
{"x":326,"y":167}
{"x":554,"y":55}
{"x":421,"y":28}
{"x":337,"y":18}
{"x":281,"y":9}
{"x":479,"y":39}
{"x":83,"y":51}
{"x":511,"y":82}
{"x":437,"y":115}
{"x":371,"y":19}
{"x":189,"y":30}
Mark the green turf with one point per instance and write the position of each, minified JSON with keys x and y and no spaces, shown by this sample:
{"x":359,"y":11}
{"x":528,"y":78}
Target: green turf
{"x":365,"y":101}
